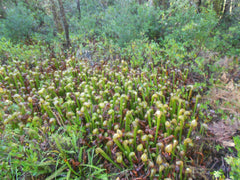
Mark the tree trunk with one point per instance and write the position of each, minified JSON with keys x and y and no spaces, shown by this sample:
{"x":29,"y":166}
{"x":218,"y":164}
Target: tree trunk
{"x":56,"y":18}
{"x":141,"y":1}
{"x":164,"y":3}
{"x":231,"y":7}
{"x":219,"y":6}
{"x":2,"y":10}
{"x":79,"y":9}
{"x":65,"y":23}
{"x":226,"y":8}
{"x":199,"y":6}
{"x":15,"y":2}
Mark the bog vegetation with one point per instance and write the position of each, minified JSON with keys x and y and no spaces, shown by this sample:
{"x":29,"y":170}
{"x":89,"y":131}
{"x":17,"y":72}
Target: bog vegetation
{"x":121,"y":89}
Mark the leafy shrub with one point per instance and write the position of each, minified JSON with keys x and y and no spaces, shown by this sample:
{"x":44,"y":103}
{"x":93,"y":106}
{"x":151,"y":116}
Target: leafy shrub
{"x":123,"y":21}
{"x":235,"y":162}
{"x":226,"y":41}
{"x":90,"y":24}
{"x":184,"y":24}
{"x":19,"y":23}
{"x":127,"y":21}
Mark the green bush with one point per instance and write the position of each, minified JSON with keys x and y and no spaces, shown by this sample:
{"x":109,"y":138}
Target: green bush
{"x":121,"y":21}
{"x":89,"y":25}
{"x":19,"y":23}
{"x":235,"y":162}
{"x":226,"y":41}
{"x":184,"y":24}
{"x":127,"y":21}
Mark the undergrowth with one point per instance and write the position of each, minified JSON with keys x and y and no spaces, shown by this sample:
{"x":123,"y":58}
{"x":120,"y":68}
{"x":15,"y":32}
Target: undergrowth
{"x":133,"y":119}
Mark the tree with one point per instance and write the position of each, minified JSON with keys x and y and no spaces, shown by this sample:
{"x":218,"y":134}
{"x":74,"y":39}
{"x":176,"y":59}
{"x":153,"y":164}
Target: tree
{"x":56,"y":17}
{"x":79,"y":9}
{"x":61,"y":17}
{"x":164,"y":3}
{"x":65,"y":23}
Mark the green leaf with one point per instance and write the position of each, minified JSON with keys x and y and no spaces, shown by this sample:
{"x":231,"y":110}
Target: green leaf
{"x":56,"y":173}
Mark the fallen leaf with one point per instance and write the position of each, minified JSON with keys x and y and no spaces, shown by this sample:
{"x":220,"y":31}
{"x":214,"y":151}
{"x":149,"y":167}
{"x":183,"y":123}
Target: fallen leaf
{"x":228,"y":144}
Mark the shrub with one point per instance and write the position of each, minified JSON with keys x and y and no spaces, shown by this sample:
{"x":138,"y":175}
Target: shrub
{"x":19,"y":23}
{"x":235,"y":162}
{"x":184,"y":24}
{"x":122,"y":21}
{"x":127,"y":21}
